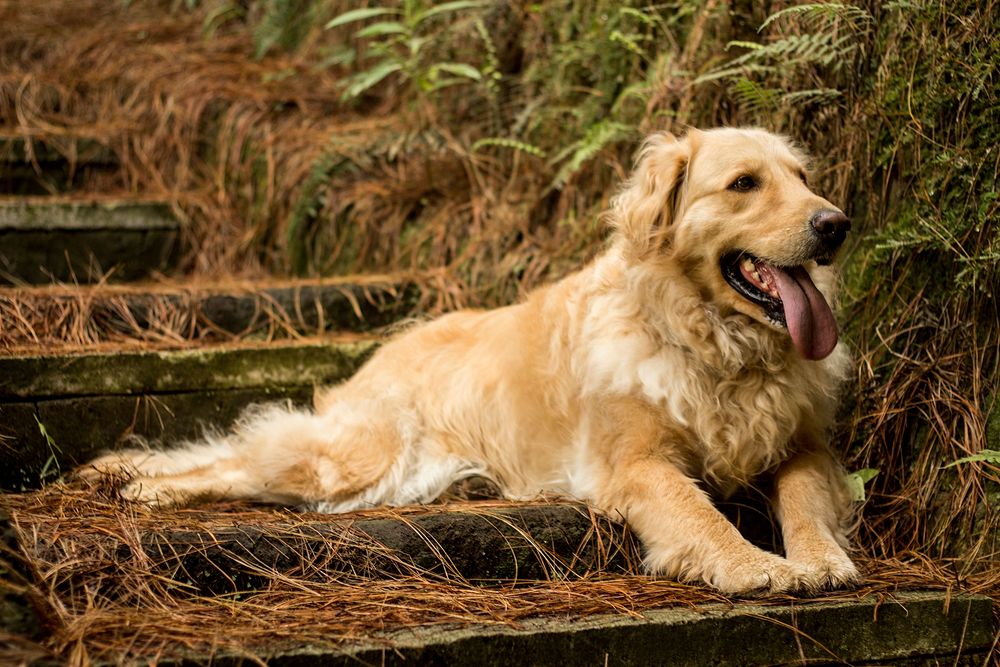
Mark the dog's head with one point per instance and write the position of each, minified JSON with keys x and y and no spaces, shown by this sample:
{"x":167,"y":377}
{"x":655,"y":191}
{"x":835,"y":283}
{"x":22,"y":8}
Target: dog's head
{"x":733,"y":207}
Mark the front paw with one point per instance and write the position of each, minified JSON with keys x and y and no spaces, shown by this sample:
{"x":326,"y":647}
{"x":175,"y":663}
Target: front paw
{"x":831,"y":569}
{"x":760,"y":573}
{"x":742,"y":571}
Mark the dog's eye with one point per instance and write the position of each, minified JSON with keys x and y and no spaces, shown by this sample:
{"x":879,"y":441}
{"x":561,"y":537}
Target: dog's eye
{"x":805,"y":179}
{"x":743,"y":184}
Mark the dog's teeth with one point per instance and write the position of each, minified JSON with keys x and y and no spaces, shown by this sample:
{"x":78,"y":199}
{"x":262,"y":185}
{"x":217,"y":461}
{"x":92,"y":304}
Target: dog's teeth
{"x":756,"y":276}
{"x":748,"y":264}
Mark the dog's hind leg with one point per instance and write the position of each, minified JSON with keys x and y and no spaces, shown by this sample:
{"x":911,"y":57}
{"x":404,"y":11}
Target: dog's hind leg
{"x":284,"y":456}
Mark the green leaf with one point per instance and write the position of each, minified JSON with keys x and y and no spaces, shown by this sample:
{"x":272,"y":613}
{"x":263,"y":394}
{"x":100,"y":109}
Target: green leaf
{"x":360,"y":15}
{"x":753,"y":46}
{"x":628,"y":41}
{"x":986,"y":455}
{"x":458,"y":5}
{"x":856,"y":483}
{"x":637,"y":14}
{"x":52,"y":462}
{"x":458,"y":69}
{"x":365,"y":80}
{"x":415,"y":44}
{"x":382,"y":28}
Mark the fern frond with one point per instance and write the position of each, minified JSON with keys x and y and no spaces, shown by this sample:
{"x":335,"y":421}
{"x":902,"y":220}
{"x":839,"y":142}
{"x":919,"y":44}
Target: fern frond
{"x":753,"y":46}
{"x":729,"y":72}
{"x":754,"y":96}
{"x":307,"y":207}
{"x":813,"y":95}
{"x":986,"y":455}
{"x":822,"y":11}
{"x":628,"y":41}
{"x":638,"y":14}
{"x":512,"y":144}
{"x":597,"y":137}
{"x":825,"y":49}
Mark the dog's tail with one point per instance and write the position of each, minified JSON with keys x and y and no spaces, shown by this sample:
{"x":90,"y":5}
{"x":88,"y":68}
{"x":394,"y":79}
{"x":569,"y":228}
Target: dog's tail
{"x":143,"y":458}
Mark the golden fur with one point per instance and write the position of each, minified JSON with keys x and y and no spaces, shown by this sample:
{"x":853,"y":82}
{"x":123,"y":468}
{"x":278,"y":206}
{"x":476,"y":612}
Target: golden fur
{"x":641,"y":384}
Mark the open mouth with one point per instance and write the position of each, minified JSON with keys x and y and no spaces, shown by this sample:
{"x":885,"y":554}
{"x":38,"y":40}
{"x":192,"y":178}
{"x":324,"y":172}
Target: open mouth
{"x":788,"y":298}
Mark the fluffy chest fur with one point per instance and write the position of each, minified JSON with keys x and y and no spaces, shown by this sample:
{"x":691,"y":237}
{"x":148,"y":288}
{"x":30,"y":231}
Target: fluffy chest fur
{"x":737,"y":391}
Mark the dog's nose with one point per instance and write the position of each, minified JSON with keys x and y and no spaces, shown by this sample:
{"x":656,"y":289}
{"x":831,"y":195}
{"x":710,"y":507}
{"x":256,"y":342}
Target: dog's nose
{"x":831,"y":227}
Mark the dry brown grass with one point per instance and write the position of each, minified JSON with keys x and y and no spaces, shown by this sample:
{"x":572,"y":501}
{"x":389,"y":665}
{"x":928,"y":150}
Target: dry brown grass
{"x":171,"y":315}
{"x":248,"y":149}
{"x":103,"y":595}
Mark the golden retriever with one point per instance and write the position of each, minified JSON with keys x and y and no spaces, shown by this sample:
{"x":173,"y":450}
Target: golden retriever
{"x":696,"y":354}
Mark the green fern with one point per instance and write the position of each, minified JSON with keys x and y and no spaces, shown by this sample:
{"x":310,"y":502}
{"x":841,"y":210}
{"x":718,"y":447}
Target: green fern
{"x":758,"y":76}
{"x":597,"y":137}
{"x":820,"y":13}
{"x":812,"y":96}
{"x":298,"y":237}
{"x":755,"y":97}
{"x":985,"y":456}
{"x":284,"y":25}
{"x":512,"y":144}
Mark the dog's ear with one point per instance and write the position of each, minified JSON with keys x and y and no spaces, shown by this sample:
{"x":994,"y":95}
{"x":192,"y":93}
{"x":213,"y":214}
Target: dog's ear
{"x":648,"y":204}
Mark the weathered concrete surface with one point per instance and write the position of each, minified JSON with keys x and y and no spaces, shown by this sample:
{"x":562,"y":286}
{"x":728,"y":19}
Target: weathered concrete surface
{"x":90,"y":403}
{"x":75,"y":215}
{"x":490,"y":545}
{"x":274,"y":364}
{"x":914,"y":628}
{"x":81,"y":428}
{"x":42,"y":240}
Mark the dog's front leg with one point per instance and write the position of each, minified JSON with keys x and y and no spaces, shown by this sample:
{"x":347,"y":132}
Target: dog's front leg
{"x":812,"y":506}
{"x":683,"y":534}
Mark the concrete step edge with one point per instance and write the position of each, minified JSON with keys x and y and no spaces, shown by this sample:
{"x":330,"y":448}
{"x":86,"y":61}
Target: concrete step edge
{"x":82,"y":214}
{"x":910,"y":628}
{"x":240,"y":366}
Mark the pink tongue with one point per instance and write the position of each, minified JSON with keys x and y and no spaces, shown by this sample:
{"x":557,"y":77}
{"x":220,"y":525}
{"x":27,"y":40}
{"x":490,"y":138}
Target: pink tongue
{"x":809,"y":318}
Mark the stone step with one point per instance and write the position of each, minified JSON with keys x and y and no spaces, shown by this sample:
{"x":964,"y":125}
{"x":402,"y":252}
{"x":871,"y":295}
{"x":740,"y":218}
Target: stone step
{"x":216,"y":559}
{"x":58,"y":411}
{"x":54,"y":239}
{"x":913,"y":628}
{"x":492,"y":544}
{"x":38,"y":164}
{"x":57,"y":317}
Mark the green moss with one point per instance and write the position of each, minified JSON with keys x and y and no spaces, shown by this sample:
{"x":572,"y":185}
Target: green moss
{"x":126,"y":373}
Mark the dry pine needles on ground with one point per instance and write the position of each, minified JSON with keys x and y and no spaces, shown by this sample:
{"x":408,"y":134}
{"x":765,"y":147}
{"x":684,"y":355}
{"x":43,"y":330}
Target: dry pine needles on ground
{"x":104,"y":593}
